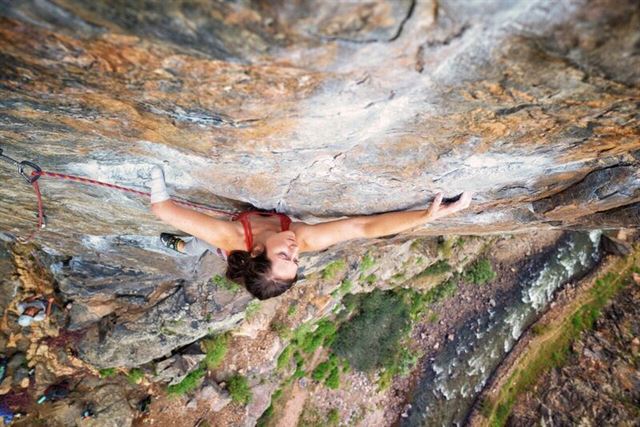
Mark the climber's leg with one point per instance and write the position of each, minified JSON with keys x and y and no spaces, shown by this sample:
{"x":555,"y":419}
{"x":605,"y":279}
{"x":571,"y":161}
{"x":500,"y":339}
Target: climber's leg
{"x":197,"y":246}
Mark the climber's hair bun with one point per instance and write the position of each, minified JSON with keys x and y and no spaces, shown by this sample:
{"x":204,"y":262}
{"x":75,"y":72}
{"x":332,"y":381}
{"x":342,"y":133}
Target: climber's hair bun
{"x":254,"y":273}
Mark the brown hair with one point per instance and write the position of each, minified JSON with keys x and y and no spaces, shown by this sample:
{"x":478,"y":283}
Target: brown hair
{"x":254,"y":273}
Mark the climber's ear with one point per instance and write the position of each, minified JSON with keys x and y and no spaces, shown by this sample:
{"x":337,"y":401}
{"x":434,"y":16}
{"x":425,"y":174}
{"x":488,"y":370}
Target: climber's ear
{"x":258,"y":248}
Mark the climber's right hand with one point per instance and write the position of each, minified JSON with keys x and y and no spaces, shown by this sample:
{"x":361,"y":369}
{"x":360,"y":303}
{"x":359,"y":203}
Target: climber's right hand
{"x":157,"y":173}
{"x":158,"y":186}
{"x":439,"y":210}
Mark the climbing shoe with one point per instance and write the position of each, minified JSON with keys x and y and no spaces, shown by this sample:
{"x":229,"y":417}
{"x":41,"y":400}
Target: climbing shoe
{"x":171,"y":241}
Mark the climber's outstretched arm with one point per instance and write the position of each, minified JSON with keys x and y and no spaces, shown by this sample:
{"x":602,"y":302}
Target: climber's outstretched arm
{"x":218,"y":233}
{"x":315,"y":237}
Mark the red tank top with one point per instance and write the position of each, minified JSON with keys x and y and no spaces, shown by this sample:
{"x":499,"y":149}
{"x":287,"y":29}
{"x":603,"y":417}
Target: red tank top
{"x":285,"y":221}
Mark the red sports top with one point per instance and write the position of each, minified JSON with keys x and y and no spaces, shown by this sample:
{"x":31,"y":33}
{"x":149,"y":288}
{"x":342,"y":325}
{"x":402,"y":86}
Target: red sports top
{"x":285,"y":221}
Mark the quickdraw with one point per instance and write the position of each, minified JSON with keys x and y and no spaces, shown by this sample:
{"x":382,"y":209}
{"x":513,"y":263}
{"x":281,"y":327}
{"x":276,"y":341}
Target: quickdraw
{"x":36,"y":172}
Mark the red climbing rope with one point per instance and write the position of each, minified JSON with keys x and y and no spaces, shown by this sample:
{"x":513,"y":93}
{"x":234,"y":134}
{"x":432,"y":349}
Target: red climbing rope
{"x":36,"y":173}
{"x":121,"y":188}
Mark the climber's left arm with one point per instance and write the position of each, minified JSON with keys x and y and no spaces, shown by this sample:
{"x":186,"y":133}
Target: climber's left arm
{"x":316,"y":237}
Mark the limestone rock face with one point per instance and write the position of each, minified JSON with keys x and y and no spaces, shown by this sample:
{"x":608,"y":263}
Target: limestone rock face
{"x":318,"y":109}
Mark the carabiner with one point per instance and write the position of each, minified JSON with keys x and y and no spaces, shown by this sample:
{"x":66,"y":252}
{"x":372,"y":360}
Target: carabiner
{"x":35,"y":173}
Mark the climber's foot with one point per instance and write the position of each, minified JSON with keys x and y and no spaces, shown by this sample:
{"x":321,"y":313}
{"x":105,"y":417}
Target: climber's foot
{"x":172,"y":241}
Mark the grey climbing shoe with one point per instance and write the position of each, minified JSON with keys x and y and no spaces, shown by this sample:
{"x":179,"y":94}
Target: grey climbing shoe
{"x":171,"y":241}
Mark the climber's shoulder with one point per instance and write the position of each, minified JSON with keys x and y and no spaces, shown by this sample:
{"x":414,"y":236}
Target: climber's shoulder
{"x":315,"y":237}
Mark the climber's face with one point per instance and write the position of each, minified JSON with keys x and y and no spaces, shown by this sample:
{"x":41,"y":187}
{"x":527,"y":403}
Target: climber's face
{"x":282,"y":250}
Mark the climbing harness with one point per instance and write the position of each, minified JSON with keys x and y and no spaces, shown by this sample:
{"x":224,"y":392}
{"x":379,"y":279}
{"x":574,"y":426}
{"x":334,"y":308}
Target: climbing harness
{"x":36,"y":172}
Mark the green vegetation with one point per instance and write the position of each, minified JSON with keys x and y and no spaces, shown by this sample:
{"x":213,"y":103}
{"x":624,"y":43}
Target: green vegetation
{"x":539,"y":329}
{"x":445,"y":247}
{"x":442,"y":291}
{"x":280,"y":328}
{"x":299,"y":373}
{"x":343,"y":289}
{"x":406,"y":361}
{"x":189,"y":383}
{"x":224,"y":283}
{"x":367,"y":262}
{"x":135,"y":376}
{"x":402,"y":364}
{"x":323,"y":335}
{"x":292,"y":309}
{"x":239,"y":390}
{"x":369,"y":279}
{"x":437,"y":268}
{"x":368,"y":340}
{"x":333,"y":380}
{"x":554,"y":345}
{"x":329,"y":371}
{"x":333,"y":268}
{"x":107,"y":372}
{"x":215,"y":348}
{"x":333,"y":417}
{"x":264,"y":419}
{"x":324,"y":368}
{"x":300,"y":332}
{"x":252,"y":309}
{"x":416,"y":245}
{"x":480,"y":272}
{"x":433,"y":317}
{"x":284,"y":358}
{"x":419,"y":302}
{"x":399,"y":277}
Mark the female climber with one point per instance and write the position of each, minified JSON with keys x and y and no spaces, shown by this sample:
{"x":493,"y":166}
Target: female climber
{"x":262,"y":248}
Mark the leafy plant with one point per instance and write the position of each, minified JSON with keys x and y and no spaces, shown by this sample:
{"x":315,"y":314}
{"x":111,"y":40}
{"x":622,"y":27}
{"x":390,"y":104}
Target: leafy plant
{"x":333,"y":417}
{"x":418,"y":302}
{"x":333,"y":380}
{"x":333,"y":268}
{"x":367,"y":262}
{"x":224,"y":283}
{"x":445,"y":247}
{"x":292,"y":309}
{"x":343,"y":289}
{"x":239,"y":390}
{"x":215,"y":348}
{"x":321,"y":371}
{"x":324,"y":333}
{"x":252,"y":308}
{"x":189,"y":383}
{"x":435,"y":269}
{"x":480,"y":272}
{"x":280,"y":328}
{"x":285,"y":356}
{"x":299,"y":373}
{"x":369,"y":280}
{"x":135,"y":375}
{"x":370,"y":337}
{"x":107,"y":372}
